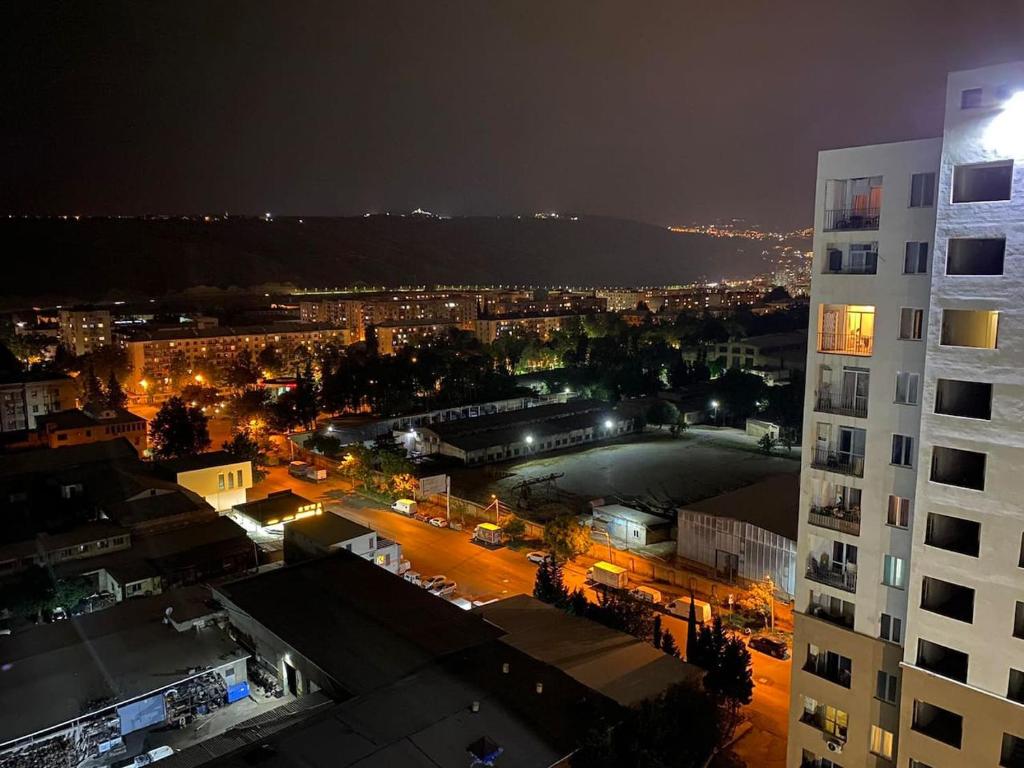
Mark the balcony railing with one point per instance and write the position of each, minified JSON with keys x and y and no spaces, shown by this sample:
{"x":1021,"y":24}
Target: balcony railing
{"x":835,"y":575}
{"x":842,"y":219}
{"x":817,"y":720}
{"x":845,"y":343}
{"x":838,"y":263}
{"x":843,"y":619}
{"x":817,"y":665}
{"x":835,"y":518}
{"x":838,"y":461}
{"x":843,"y":404}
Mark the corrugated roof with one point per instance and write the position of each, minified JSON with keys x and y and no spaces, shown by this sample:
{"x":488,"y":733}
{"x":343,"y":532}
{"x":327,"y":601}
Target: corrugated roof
{"x":772,"y":504}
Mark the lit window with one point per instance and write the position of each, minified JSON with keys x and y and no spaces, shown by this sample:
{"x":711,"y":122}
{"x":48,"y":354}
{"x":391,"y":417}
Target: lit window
{"x":881,"y":742}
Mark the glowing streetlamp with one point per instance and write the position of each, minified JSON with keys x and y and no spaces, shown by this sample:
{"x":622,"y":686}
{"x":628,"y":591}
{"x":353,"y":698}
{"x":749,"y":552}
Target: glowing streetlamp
{"x":714,"y":410}
{"x":144,"y":384}
{"x":529,"y":439}
{"x":199,"y":378}
{"x":608,"y":424}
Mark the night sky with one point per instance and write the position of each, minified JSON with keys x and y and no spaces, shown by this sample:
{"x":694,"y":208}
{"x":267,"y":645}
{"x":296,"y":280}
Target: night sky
{"x":660,"y":111}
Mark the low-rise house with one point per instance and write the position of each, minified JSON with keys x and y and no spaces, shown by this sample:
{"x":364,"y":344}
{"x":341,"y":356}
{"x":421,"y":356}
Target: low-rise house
{"x":86,"y":541}
{"x":322,"y":534}
{"x":273,"y":512}
{"x":221,"y":478}
{"x":629,"y":526}
{"x":81,"y":426}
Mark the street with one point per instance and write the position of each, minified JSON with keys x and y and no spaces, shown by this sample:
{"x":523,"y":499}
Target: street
{"x":486,"y":574}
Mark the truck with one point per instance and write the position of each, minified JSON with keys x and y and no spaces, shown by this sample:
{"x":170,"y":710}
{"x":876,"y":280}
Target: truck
{"x":307,"y":471}
{"x":487,"y":533}
{"x":681,"y":607}
{"x":405,"y":506}
{"x":608,"y":575}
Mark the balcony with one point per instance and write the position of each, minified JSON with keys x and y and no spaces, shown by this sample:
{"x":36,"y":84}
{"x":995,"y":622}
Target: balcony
{"x":849,"y":219}
{"x":836,"y":575}
{"x":835,"y":518}
{"x":841,"y":462}
{"x":831,"y":609}
{"x":830,"y":666}
{"x":841,"y":403}
{"x":834,"y":343}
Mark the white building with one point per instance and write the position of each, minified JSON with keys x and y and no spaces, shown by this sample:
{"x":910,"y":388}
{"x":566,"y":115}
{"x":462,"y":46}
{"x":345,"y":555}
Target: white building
{"x":323,"y":534}
{"x":84,"y":330}
{"x":221,"y":478}
{"x":908,"y":603}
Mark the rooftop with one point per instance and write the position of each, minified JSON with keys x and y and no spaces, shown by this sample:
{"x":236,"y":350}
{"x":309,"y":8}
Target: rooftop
{"x":628,"y":513}
{"x":620,"y":666}
{"x":174,"y":334}
{"x":769,"y":341}
{"x":171,"y":468}
{"x":539,"y":413}
{"x":57,"y":459}
{"x":60,"y":671}
{"x":771,"y":504}
{"x":333,"y":609}
{"x":329,"y":528}
{"x":274,"y":507}
{"x":75,"y":418}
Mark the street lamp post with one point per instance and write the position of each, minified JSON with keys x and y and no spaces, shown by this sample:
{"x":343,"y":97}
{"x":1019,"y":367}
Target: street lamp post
{"x":771,"y":602}
{"x":714,"y":411}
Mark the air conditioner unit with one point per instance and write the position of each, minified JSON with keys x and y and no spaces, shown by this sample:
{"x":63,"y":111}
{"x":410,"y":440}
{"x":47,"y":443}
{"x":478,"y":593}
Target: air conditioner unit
{"x":834,"y":746}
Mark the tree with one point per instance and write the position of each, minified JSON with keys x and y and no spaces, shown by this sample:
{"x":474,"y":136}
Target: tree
{"x":758,"y":599}
{"x":201,"y":395}
{"x":115,"y":396}
{"x":269,"y":361}
{"x":692,"y":646}
{"x":245,"y":447}
{"x":731,"y":682}
{"x":242,"y":371}
{"x":549,"y":586}
{"x":767,"y":443}
{"x":709,"y":644}
{"x":656,"y":631}
{"x":624,"y":614}
{"x":92,"y":389}
{"x":668,"y":644}
{"x":662,"y":413}
{"x":328,"y":445}
{"x":787,"y":439}
{"x":178,"y":430}
{"x":514,"y":528}
{"x":566,"y":537}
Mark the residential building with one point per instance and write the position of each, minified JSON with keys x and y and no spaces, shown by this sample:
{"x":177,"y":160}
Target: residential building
{"x":46,"y":550}
{"x":322,"y":534}
{"x":908,"y":613}
{"x":490,"y":328}
{"x":745,"y":535}
{"x":394,"y":336}
{"x":84,"y":330}
{"x":962,"y":682}
{"x":767,"y":355}
{"x":92,"y":425}
{"x":162,"y":359}
{"x":221,"y":478}
{"x":25,"y":397}
{"x":357,"y":312}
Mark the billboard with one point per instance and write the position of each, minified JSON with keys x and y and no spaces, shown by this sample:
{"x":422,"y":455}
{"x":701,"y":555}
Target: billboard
{"x":433,"y":484}
{"x":142,"y":714}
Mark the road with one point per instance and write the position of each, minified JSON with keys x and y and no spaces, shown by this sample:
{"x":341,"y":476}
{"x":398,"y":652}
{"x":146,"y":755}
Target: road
{"x":485,"y":573}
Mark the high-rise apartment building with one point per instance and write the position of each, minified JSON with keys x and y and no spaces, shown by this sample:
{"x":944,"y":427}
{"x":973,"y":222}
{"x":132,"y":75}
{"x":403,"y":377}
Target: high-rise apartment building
{"x":84,"y":330}
{"x":908,"y":642}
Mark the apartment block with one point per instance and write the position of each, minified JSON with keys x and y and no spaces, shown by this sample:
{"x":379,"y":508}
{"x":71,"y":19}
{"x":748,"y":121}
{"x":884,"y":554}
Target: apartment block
{"x":907,"y":643}
{"x":357,"y":313}
{"x":82,"y":331}
{"x":26,"y":397}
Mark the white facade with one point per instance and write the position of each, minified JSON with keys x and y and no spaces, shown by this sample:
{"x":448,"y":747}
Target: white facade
{"x":910,"y":652}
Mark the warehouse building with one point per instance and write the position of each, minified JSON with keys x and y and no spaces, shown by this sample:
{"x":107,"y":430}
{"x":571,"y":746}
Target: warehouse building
{"x":630,"y":527}
{"x":274,"y":511}
{"x":745,"y":534}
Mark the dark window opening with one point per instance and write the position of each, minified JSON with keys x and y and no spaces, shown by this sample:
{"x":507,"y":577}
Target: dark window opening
{"x":953,"y":533}
{"x":942,"y":660}
{"x":953,"y":601}
{"x":975,"y":255}
{"x":953,"y":466}
{"x":968,"y":399}
{"x":938,"y":723}
{"x":982,"y":183}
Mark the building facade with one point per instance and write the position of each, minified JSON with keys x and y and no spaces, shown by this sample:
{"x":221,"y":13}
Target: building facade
{"x":82,"y":331}
{"x":23,"y":400}
{"x":909,"y":613}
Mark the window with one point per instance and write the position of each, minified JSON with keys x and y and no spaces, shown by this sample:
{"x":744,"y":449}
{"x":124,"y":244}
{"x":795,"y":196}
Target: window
{"x":967,"y":399}
{"x":911,"y":323}
{"x":954,"y":534}
{"x":885,"y":687}
{"x":894,"y":572}
{"x":898,"y":512}
{"x":829,"y":665}
{"x":970,"y":98}
{"x":903,"y":450}
{"x":954,"y":601}
{"x":1012,"y":753}
{"x":915,"y":258}
{"x":954,"y":466}
{"x":220,"y":482}
{"x":891,"y":628}
{"x":938,"y":723}
{"x":231,"y":480}
{"x":881,"y":742}
{"x":1015,"y":690}
{"x":975,"y":255}
{"x":941,"y":660}
{"x":969,"y":328}
{"x":1018,"y":620}
{"x":922,"y":190}
{"x":982,"y":183}
{"x":239,"y":482}
{"x":906,"y":387}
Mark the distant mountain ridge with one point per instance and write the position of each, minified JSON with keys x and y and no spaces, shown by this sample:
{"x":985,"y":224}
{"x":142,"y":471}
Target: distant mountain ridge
{"x":96,"y":258}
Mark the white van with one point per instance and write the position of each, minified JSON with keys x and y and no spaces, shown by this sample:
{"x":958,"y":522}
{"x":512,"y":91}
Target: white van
{"x":405,"y":506}
{"x":646,"y":594}
{"x":681,"y":608}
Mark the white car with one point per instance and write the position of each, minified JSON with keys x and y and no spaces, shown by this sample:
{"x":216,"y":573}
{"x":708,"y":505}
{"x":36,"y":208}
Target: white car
{"x":439,"y":522}
{"x":413,"y":577}
{"x":538,"y":557}
{"x":444,"y":589}
{"x":433,"y":581}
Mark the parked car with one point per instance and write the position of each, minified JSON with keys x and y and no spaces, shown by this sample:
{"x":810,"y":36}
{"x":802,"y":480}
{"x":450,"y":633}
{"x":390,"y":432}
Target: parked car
{"x":438,"y":522}
{"x":423,"y":517}
{"x":770,"y":646}
{"x":433,"y":581}
{"x":413,"y":577}
{"x":538,"y":557}
{"x":444,"y":589}
{"x":646,"y":594}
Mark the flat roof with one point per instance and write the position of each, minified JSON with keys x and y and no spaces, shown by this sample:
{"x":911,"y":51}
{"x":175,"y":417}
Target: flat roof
{"x":628,"y":513}
{"x":53,"y":460}
{"x":622,"y":667}
{"x":277,"y":505}
{"x":61,"y":671}
{"x":206,"y":460}
{"x":75,"y":418}
{"x":174,"y":334}
{"x":328,"y":529}
{"x":333,"y":609}
{"x":450,"y":429}
{"x":772,"y":504}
